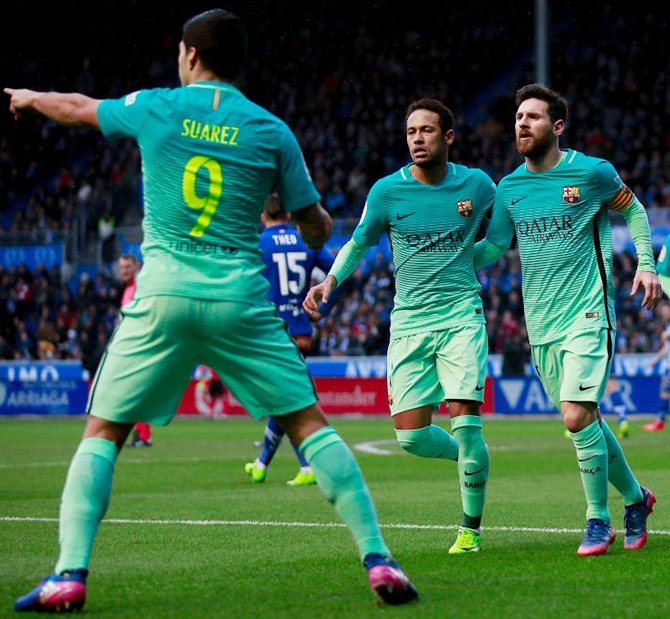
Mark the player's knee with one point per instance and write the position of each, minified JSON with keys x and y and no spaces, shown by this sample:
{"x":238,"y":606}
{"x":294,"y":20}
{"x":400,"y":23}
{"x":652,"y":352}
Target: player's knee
{"x":416,"y":442}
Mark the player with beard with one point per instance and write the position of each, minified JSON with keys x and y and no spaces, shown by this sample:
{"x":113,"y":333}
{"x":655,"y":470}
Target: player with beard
{"x":557,"y":204}
{"x":431,"y":209}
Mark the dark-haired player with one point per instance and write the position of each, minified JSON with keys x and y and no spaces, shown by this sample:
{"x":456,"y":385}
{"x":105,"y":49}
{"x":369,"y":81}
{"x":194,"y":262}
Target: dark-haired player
{"x":557,"y":204}
{"x":431,"y":210}
{"x":210,"y":157}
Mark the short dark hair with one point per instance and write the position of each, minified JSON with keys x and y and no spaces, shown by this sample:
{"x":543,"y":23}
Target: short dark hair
{"x":132,"y":257}
{"x":557,"y":107}
{"x":220,"y":38}
{"x":273,"y":208}
{"x":433,"y":105}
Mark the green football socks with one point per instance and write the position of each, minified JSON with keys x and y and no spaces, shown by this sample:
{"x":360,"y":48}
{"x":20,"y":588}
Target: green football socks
{"x":340,"y":479}
{"x":84,"y":501}
{"x":592,"y":459}
{"x":619,"y":472}
{"x":473,"y":467}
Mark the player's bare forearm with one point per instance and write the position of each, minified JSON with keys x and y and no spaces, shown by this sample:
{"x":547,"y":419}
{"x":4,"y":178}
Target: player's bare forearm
{"x":315,"y":225}
{"x":68,"y":109}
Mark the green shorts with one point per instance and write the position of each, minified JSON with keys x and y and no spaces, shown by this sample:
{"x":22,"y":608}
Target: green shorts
{"x":151,"y":356}
{"x":428,"y":368}
{"x":576,"y":367}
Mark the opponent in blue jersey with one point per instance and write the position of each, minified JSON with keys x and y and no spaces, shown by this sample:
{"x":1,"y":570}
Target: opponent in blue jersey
{"x":209,"y":160}
{"x":431,"y":210}
{"x":557,"y":205}
{"x":289,"y":265}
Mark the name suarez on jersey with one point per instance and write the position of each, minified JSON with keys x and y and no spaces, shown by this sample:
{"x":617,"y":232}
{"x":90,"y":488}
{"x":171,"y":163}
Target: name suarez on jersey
{"x":199,"y":130}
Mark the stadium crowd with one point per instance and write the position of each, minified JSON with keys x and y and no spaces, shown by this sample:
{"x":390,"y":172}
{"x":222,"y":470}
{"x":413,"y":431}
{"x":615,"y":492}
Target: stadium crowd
{"x":346,"y":104}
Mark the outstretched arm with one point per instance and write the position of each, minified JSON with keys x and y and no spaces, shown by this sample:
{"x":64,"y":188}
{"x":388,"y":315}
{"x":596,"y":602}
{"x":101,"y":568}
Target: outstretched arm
{"x":68,"y":109}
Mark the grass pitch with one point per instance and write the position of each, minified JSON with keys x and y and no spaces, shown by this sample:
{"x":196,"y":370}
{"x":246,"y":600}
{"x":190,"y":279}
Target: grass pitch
{"x":187,"y":535}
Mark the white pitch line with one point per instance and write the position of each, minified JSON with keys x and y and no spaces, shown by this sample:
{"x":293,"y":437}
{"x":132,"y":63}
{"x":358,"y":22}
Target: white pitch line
{"x":372,"y":447}
{"x":32,"y":465}
{"x":325,"y":525}
{"x":121,"y":460}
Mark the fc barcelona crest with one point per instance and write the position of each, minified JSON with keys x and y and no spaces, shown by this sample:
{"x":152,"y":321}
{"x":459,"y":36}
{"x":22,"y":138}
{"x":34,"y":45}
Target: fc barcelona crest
{"x":464,"y":208}
{"x":571,"y":195}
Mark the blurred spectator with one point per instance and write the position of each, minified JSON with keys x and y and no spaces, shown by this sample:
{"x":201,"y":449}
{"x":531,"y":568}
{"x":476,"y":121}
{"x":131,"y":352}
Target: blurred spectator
{"x":79,"y":325}
{"x":47,"y":338}
{"x":335,"y":201}
{"x":516,"y":354}
{"x":342,"y":100}
{"x":107,"y":234}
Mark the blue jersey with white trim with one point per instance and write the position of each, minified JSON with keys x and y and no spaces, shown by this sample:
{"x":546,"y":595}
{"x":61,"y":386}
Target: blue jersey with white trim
{"x":289,"y":265}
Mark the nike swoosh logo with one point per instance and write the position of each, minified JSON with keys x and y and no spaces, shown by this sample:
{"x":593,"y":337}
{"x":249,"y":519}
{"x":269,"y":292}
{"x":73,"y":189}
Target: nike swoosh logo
{"x":585,"y":459}
{"x":399,"y":216}
{"x":478,"y":388}
{"x":517,"y":200}
{"x":475,"y":472}
{"x":581,"y":388}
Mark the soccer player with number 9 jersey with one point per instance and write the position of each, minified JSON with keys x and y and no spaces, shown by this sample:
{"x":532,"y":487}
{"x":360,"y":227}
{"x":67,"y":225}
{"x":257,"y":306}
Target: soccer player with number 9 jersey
{"x":210,"y":157}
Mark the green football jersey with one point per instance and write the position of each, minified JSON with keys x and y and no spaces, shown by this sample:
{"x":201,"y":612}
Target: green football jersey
{"x":432,"y":231}
{"x":210,"y":157}
{"x":563,"y":231}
